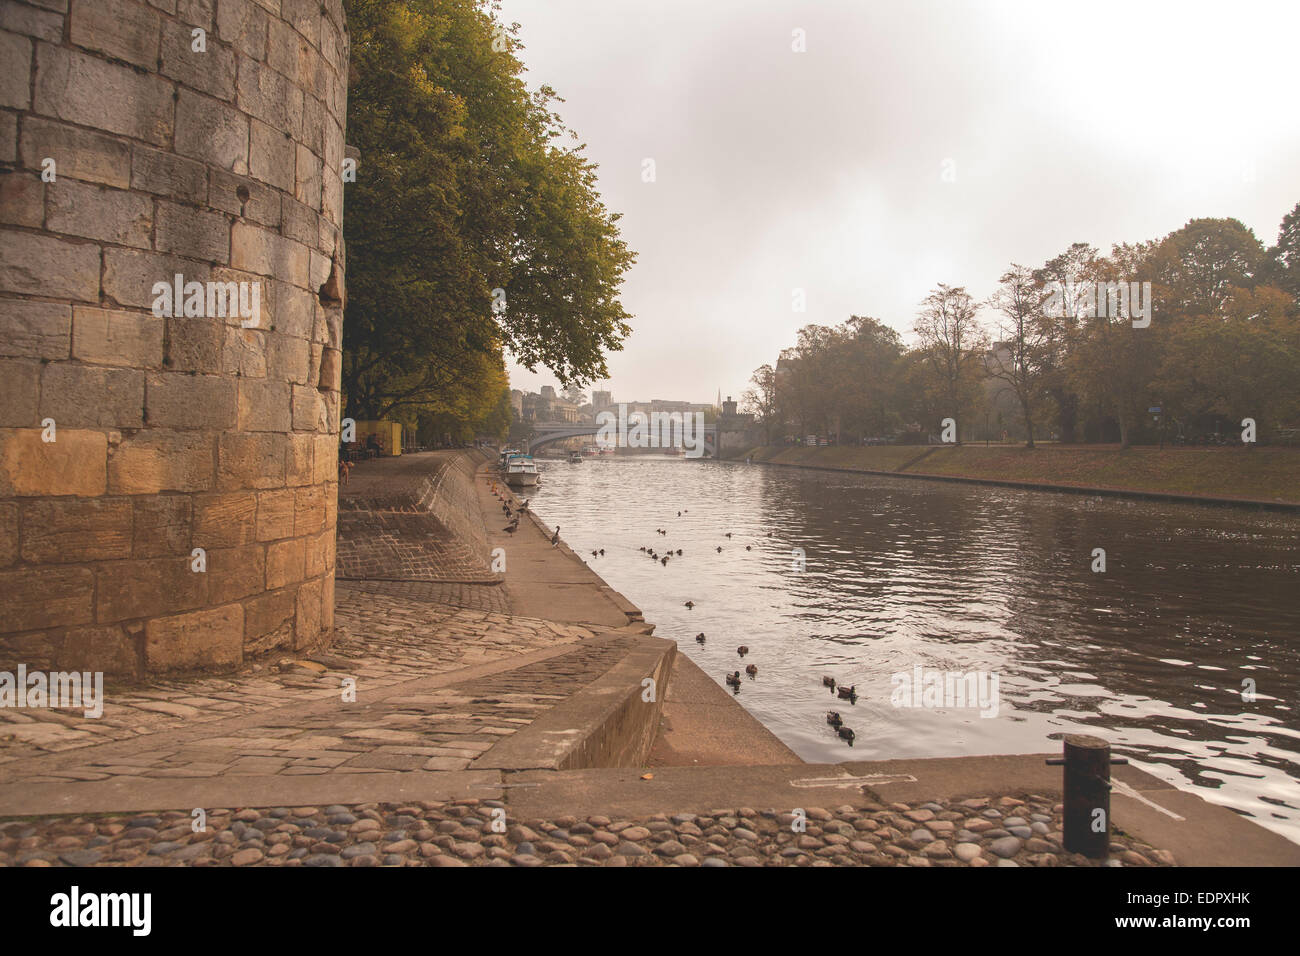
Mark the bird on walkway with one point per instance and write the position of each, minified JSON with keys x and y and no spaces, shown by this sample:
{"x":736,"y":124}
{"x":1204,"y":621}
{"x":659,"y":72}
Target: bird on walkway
{"x":848,"y":693}
{"x":828,"y":682}
{"x":752,"y":670}
{"x":524,"y":507}
{"x":742,"y":650}
{"x":512,"y":527}
{"x":555,"y":538}
{"x":734,"y":679}
{"x":833,"y":718}
{"x":847,"y":734}
{"x":688,"y":605}
{"x":699,"y":638}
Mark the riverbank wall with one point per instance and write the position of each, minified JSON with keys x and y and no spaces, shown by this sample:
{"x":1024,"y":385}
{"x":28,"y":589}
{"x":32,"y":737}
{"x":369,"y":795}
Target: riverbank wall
{"x":1266,"y":478}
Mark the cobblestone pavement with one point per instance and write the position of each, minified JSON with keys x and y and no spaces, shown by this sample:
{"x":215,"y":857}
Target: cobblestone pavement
{"x":403,"y":545}
{"x":290,"y":717}
{"x":481,"y":597}
{"x":1005,"y":831}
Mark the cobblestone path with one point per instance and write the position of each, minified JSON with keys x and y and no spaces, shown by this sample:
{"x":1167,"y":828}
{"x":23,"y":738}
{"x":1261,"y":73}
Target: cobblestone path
{"x":1007,"y":831}
{"x":291,"y":718}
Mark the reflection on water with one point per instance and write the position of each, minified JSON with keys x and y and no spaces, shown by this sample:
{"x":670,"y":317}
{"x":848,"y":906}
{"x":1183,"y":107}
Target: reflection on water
{"x":1151,"y":654}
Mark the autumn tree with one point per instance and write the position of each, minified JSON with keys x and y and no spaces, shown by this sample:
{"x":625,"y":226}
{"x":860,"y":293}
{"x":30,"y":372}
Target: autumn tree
{"x":1019,"y":357}
{"x":953,"y":345}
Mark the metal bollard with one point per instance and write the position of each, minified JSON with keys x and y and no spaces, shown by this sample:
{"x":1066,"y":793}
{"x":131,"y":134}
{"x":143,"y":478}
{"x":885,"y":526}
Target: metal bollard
{"x":1087,"y":763}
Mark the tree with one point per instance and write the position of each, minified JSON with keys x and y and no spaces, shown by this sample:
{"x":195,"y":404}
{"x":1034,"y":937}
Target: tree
{"x":761,"y":399}
{"x":462,"y":189}
{"x":1284,"y":258}
{"x":1069,"y":273}
{"x":953,"y":343}
{"x":1019,"y":358}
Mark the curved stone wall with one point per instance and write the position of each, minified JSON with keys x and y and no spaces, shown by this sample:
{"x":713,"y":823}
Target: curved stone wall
{"x":168,"y":461}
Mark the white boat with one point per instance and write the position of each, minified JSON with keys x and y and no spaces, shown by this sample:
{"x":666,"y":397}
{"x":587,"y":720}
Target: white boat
{"x":521,"y":472}
{"x":575,"y":458}
{"x":507,"y":454}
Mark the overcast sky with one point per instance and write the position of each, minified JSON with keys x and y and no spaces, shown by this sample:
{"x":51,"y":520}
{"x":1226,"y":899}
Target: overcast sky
{"x":825,"y":170}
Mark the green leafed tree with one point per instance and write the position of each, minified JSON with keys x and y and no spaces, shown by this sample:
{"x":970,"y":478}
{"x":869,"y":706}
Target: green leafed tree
{"x":473,"y":228}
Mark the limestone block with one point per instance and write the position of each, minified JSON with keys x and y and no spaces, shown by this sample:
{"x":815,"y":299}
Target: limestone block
{"x":245,"y":353}
{"x":109,"y":649}
{"x":35,"y":329}
{"x":212,"y":71}
{"x":211,"y":131}
{"x":194,"y":233}
{"x":22,"y":199}
{"x":31,"y":598}
{"x":19,"y":18}
{"x":129,"y":275}
{"x":250,"y":460}
{"x":288,"y":359}
{"x":241,"y":196}
{"x":15,"y":78}
{"x":73,"y":464}
{"x":225,"y":520}
{"x":275,"y":514}
{"x":269,"y":620}
{"x":285,"y":561}
{"x":125,"y":30}
{"x":298,"y":464}
{"x":308,"y":182}
{"x":309,"y":411}
{"x":269,"y":96}
{"x":8,"y":533}
{"x":195,"y":345}
{"x":77,"y":153}
{"x":90,"y":396}
{"x":163,"y":525}
{"x":149,"y":587}
{"x":167,"y":174}
{"x":69,"y":530}
{"x":115,"y":337}
{"x":45,"y":266}
{"x":235,"y":573}
{"x":97,"y":212}
{"x":309,"y":511}
{"x":265,"y":406}
{"x":209,"y":638}
{"x":308,"y":629}
{"x":89,"y":91}
{"x":158,"y":460}
{"x":8,"y":137}
{"x":258,"y":250}
{"x":243,"y":25}
{"x":19,"y":393}
{"x":180,"y":400}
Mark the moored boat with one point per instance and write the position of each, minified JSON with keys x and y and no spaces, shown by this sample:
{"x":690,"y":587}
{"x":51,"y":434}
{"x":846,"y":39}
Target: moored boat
{"x":521,"y":472}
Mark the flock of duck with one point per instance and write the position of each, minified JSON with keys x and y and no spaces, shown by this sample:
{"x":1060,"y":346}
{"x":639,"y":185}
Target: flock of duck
{"x":833,"y":717}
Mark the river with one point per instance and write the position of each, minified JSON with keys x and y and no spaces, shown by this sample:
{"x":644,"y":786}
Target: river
{"x":863,"y":578}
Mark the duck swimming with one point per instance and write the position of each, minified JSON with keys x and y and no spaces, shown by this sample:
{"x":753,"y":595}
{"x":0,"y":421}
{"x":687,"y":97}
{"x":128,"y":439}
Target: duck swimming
{"x":828,"y":682}
{"x":699,"y":638}
{"x":833,"y":718}
{"x":847,"y":734}
{"x":688,"y":605}
{"x":733,"y":679}
{"x":752,"y":670}
{"x":848,"y":693}
{"x":742,"y":650}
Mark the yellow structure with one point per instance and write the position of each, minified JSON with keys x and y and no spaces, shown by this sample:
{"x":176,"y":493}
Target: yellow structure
{"x":389,"y":433}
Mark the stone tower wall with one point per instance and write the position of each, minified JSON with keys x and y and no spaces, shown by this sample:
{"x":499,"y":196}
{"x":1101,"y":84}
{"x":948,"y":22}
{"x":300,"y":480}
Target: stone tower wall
{"x":170,"y":432}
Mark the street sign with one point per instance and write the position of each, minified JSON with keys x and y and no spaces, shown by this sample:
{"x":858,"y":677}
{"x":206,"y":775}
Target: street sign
{"x":1154,"y":409}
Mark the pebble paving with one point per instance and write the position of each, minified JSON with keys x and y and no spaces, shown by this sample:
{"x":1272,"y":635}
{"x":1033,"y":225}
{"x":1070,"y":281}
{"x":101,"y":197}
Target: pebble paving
{"x":1005,"y":832}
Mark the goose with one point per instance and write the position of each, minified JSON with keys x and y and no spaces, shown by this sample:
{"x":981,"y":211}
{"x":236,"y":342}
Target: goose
{"x":742,"y":650}
{"x":752,"y":670}
{"x":733,"y":679}
{"x":512,"y":527}
{"x":555,"y":538}
{"x":833,"y":718}
{"x":847,"y":734}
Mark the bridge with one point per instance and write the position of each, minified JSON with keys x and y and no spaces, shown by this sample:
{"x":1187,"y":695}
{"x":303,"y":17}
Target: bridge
{"x":543,"y":433}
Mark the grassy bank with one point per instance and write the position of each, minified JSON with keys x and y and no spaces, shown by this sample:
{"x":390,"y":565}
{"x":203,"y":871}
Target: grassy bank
{"x":1260,"y":474}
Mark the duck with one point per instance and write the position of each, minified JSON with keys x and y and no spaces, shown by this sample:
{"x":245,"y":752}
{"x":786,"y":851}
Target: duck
{"x":733,"y":679}
{"x":602,"y":552}
{"x":719,"y":549}
{"x":752,"y":670}
{"x":679,"y":552}
{"x":742,"y":650}
{"x":688,"y":605}
{"x":748,"y":548}
{"x":848,"y":693}
{"x":679,"y":514}
{"x":846,"y":733}
{"x":664,"y":560}
{"x":833,"y":718}
{"x":699,"y":638}
{"x":593,"y":554}
{"x":728,"y":534}
{"x":828,"y":682}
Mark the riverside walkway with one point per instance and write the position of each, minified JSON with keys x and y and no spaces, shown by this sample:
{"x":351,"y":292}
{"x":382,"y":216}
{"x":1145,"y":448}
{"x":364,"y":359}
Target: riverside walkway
{"x":510,"y":726}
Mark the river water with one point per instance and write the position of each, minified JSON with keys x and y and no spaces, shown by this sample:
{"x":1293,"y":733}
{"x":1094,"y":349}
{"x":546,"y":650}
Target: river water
{"x":863,"y":578}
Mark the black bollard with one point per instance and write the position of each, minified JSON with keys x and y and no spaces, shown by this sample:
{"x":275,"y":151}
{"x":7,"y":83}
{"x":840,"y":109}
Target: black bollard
{"x":1087,"y":763}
